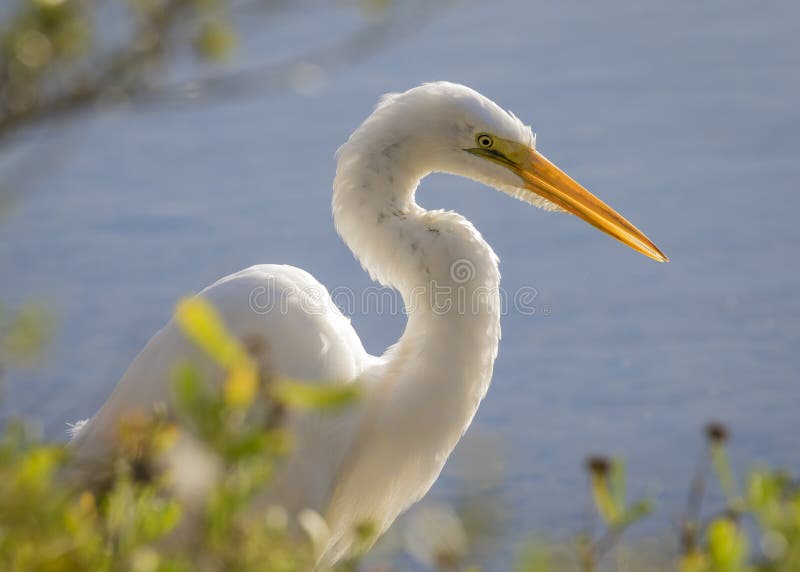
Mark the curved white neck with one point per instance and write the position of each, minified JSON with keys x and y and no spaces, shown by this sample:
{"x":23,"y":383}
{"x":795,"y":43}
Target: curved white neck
{"x":446,"y":273}
{"x":430,"y":383}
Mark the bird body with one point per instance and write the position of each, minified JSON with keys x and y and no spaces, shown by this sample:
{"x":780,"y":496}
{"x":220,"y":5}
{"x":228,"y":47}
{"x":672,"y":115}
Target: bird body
{"x":372,"y":461}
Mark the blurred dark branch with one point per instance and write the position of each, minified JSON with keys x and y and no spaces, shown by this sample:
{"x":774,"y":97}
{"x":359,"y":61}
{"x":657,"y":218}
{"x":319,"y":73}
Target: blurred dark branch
{"x":268,"y":78}
{"x":130,"y":73}
{"x":121,"y":71}
{"x":690,"y":527}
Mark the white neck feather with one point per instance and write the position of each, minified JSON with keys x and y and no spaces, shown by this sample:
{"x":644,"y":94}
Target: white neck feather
{"x":430,"y":383}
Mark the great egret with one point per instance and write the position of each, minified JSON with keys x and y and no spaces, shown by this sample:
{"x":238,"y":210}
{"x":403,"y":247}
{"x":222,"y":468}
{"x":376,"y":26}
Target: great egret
{"x":374,"y":461}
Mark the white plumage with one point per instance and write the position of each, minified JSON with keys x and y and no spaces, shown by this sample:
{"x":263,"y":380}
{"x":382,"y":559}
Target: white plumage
{"x":375,"y":460}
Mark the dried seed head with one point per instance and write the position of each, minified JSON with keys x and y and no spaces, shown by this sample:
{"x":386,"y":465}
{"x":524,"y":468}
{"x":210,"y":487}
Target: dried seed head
{"x":716,"y":432}
{"x":733,"y":514}
{"x":598,"y":465}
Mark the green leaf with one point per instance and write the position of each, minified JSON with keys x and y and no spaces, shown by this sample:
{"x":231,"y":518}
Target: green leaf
{"x":241,"y":385}
{"x":301,"y":395}
{"x":204,"y":326}
{"x":635,"y":512}
{"x":216,"y":41}
{"x":603,"y":499}
{"x":722,"y":468}
{"x":617,"y":483}
{"x":727,"y":546}
{"x":36,"y":469}
{"x":24,"y":333}
{"x":533,"y":557}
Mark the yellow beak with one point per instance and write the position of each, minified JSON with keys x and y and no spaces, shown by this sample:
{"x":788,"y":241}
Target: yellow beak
{"x":548,"y":181}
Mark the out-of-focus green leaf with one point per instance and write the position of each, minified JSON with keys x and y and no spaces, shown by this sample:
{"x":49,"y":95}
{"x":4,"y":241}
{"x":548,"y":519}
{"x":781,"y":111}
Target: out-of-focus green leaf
{"x":203,"y":325}
{"x":727,"y":546}
{"x":603,"y":499}
{"x":694,"y":561}
{"x":32,"y":48}
{"x":375,"y":7}
{"x":36,"y":468}
{"x":722,"y":467}
{"x":241,"y":385}
{"x":47,"y":4}
{"x":216,"y":41}
{"x":73,"y":38}
{"x":617,"y":483}
{"x":302,"y":395}
{"x":24,"y":333}
{"x":634,"y":512}
{"x":533,"y":558}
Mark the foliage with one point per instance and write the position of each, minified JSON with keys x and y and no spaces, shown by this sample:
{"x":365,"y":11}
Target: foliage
{"x":719,"y":543}
{"x":54,"y":57}
{"x":185,"y":487}
{"x":22,"y":334}
{"x":61,"y":57}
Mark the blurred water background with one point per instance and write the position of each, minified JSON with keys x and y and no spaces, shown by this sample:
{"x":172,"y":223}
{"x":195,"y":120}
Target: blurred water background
{"x":683,"y":115}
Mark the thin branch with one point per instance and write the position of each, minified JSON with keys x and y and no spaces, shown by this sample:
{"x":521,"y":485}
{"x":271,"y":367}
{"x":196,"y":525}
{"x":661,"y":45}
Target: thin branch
{"x":119,"y":66}
{"x":124,"y":78}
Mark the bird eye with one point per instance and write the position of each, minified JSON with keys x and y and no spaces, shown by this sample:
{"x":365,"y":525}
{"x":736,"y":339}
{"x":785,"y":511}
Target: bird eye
{"x":484,"y":140}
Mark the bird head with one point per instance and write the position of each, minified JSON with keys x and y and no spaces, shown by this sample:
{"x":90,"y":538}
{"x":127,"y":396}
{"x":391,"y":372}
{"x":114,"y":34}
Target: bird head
{"x":460,"y":131}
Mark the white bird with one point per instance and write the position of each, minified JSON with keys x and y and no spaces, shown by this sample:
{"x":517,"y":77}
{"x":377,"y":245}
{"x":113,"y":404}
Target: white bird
{"x":370,"y":463}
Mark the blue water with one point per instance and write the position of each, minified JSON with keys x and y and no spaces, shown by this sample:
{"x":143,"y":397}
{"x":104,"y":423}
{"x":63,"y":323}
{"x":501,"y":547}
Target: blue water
{"x":683,"y":115}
